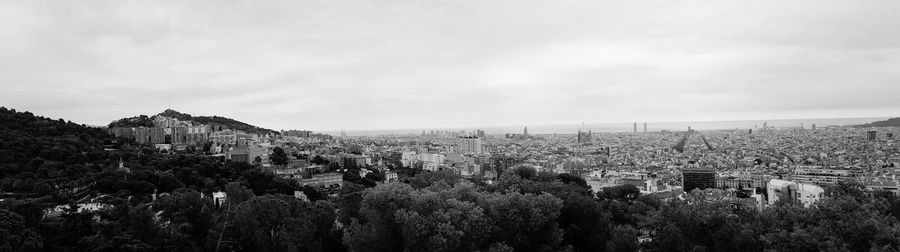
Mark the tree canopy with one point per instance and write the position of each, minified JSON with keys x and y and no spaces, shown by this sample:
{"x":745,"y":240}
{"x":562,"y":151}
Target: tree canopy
{"x":165,"y":204}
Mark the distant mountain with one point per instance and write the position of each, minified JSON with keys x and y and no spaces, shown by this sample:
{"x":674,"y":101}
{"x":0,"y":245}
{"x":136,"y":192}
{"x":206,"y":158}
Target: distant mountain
{"x":893,"y":122}
{"x":147,"y":121}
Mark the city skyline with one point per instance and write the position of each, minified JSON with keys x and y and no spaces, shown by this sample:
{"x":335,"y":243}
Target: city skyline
{"x":410,"y":64}
{"x":464,"y":125}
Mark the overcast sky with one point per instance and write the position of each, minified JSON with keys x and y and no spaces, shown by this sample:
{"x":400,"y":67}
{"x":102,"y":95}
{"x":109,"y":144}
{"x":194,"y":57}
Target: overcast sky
{"x":417,"y":64}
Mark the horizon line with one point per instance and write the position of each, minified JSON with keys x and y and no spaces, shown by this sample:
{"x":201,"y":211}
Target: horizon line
{"x":606,"y":123}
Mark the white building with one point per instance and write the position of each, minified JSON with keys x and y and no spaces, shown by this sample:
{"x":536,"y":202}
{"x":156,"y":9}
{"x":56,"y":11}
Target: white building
{"x":219,"y":198}
{"x":806,"y":194}
{"x":407,"y":158}
{"x":469,"y":145}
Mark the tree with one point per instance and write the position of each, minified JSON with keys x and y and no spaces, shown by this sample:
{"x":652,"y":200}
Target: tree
{"x":572,"y":178}
{"x":525,"y":222}
{"x":376,"y":176}
{"x":376,"y":229}
{"x":319,"y":160}
{"x":16,"y":236}
{"x":426,"y":179}
{"x":624,"y":238}
{"x":115,"y":243}
{"x":454,"y":226}
{"x":237,"y":193}
{"x":283,"y":223}
{"x":349,"y":202}
{"x":620,"y":193}
{"x":279,"y":157}
{"x":525,"y":171}
{"x":190,"y":215}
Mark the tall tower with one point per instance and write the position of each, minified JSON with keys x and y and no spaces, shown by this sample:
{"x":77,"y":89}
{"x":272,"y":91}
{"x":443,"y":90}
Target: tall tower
{"x":635,"y":127}
{"x":525,"y":131}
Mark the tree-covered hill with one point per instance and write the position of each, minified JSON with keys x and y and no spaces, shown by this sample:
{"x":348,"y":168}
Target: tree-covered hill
{"x":49,"y":152}
{"x":893,"y":122}
{"x":45,"y":163}
{"x":147,"y":121}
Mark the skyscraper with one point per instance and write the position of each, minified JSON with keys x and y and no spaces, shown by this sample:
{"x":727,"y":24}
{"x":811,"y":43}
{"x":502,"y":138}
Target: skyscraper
{"x":635,"y":127}
{"x":525,"y":133}
{"x":813,"y":126}
{"x":645,"y":127}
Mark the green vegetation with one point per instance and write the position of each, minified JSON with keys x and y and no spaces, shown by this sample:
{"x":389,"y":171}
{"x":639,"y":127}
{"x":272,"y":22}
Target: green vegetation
{"x":524,"y":210}
{"x":279,"y":157}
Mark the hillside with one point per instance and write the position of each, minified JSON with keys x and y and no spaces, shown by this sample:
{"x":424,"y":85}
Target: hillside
{"x":50,"y":163}
{"x":47,"y":150}
{"x":147,"y":121}
{"x":893,"y":122}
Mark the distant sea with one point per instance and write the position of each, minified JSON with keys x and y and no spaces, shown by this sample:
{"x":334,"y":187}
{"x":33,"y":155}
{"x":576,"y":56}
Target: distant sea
{"x":628,"y":127}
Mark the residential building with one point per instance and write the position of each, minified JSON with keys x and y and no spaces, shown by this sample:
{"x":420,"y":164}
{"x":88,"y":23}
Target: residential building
{"x":698,"y":178}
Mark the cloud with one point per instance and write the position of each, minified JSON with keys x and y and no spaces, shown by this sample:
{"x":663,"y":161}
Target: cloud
{"x":411,"y":64}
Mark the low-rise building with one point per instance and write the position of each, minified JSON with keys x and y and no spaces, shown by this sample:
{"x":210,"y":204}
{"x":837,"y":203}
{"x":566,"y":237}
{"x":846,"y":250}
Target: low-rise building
{"x":792,"y":191}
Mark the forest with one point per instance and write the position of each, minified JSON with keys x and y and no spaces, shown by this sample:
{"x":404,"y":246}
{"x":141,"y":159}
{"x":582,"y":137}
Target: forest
{"x":164,"y":204}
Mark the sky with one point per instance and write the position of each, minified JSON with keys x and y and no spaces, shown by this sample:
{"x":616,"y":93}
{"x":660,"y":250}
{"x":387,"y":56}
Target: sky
{"x":357,"y":64}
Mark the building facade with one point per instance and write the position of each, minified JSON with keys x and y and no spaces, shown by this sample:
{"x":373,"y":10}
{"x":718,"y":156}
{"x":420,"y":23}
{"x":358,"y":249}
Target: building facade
{"x":698,"y":178}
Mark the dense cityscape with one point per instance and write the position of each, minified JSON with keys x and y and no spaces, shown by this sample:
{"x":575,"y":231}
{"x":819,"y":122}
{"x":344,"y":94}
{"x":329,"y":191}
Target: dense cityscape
{"x":657,"y":162}
{"x":189,"y":179}
{"x":449,"y":126}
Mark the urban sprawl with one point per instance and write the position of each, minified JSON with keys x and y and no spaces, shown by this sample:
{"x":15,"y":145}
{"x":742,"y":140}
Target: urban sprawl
{"x":756,"y":167}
